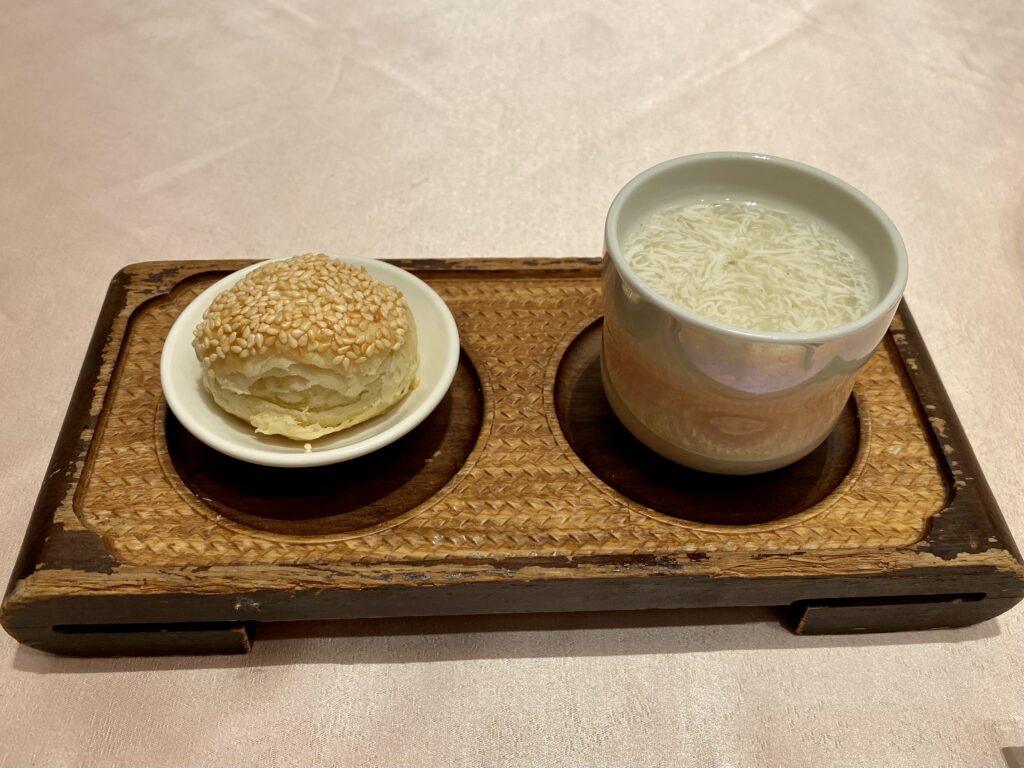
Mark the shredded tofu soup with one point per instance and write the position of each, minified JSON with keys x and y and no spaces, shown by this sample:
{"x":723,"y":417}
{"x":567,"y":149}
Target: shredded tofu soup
{"x":751,"y":266}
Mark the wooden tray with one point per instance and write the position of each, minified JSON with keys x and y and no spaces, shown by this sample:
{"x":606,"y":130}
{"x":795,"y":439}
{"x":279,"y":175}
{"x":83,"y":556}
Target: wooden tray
{"x":520,"y":493}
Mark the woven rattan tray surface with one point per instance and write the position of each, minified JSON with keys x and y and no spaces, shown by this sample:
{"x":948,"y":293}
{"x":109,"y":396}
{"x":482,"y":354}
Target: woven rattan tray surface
{"x":520,"y":478}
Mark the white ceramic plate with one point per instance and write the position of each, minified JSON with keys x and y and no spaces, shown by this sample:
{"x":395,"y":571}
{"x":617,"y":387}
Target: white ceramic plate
{"x":438,"y":340}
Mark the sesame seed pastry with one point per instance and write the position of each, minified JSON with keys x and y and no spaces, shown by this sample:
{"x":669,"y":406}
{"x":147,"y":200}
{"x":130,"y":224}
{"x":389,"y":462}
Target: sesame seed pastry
{"x":307,"y":346}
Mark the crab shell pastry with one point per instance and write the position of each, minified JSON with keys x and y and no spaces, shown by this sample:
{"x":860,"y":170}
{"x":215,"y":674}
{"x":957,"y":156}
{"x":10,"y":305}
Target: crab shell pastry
{"x":307,"y":346}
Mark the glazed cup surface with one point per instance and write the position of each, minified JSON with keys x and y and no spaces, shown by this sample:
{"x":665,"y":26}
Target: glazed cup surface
{"x":718,"y":398}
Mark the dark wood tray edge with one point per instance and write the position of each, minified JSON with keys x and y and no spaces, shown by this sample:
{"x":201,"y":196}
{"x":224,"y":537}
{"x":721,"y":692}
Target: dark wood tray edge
{"x":114,"y":624}
{"x":946,"y":536}
{"x":69,"y":449}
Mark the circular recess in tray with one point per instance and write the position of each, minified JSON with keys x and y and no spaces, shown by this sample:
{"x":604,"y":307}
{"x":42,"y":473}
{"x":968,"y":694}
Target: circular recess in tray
{"x":622,"y":462}
{"x":337,"y":498}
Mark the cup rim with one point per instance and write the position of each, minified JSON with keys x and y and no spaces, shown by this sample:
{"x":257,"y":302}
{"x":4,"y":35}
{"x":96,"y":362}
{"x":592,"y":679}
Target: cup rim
{"x":885,"y":305}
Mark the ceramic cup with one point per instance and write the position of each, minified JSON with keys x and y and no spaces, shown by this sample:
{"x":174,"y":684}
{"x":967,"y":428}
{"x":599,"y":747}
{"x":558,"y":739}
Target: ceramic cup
{"x":718,"y":398}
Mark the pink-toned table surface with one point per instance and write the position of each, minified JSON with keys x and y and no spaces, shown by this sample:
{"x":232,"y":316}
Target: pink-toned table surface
{"x":147,"y":130}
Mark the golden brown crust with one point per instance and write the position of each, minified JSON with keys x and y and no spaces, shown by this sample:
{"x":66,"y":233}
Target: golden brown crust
{"x":306,"y":305}
{"x":307,"y":346}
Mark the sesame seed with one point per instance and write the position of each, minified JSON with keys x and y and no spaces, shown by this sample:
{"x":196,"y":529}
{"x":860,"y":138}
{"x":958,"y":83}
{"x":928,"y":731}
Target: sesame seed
{"x":311,"y":302}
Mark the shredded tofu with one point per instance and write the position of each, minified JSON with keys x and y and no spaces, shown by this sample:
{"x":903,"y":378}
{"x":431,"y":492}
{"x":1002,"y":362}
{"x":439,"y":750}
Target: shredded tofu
{"x":752,"y":267}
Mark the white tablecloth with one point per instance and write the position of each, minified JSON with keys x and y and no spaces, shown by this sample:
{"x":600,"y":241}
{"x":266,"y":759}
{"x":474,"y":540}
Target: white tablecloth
{"x":150,"y":130}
